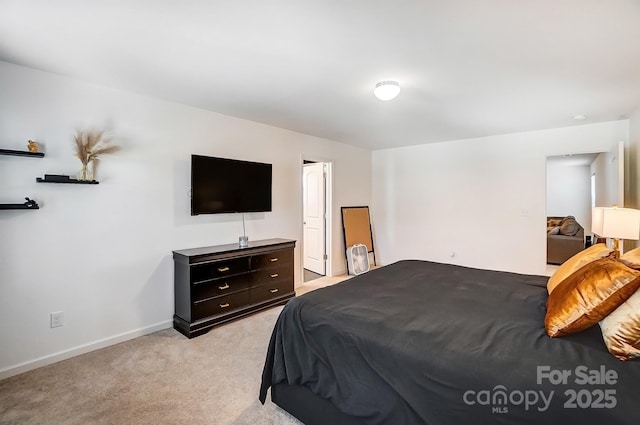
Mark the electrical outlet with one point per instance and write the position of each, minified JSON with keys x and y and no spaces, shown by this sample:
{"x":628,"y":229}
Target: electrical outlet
{"x":57,"y":319}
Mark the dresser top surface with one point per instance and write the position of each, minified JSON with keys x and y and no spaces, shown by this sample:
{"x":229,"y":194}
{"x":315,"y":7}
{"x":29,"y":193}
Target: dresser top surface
{"x":219,"y":249}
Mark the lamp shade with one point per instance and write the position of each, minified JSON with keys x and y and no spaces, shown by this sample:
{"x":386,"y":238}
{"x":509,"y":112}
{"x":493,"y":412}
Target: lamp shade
{"x":618,"y":223}
{"x":386,"y":90}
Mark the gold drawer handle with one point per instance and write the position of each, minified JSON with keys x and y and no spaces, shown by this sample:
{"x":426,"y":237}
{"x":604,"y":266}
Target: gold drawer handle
{"x":273,"y":291}
{"x":223,"y":269}
{"x":274,"y":275}
{"x":273,"y":260}
{"x":225,"y":286}
{"x":225,"y":305}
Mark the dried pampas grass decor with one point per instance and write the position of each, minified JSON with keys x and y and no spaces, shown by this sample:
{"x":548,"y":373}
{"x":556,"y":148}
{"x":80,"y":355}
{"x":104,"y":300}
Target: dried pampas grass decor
{"x":90,"y":145}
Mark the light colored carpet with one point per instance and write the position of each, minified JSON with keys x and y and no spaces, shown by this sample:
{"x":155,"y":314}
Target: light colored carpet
{"x":161,"y":378}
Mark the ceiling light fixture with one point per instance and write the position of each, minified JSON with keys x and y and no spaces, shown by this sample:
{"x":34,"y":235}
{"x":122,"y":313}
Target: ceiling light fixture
{"x":386,"y":90}
{"x":579,"y":117}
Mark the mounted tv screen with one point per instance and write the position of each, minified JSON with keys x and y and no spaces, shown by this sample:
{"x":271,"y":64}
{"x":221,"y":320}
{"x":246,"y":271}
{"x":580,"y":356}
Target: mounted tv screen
{"x":220,"y":185}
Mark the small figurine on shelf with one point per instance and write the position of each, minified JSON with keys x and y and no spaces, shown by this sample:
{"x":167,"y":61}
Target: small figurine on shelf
{"x":32,"y":146}
{"x":30,"y":203}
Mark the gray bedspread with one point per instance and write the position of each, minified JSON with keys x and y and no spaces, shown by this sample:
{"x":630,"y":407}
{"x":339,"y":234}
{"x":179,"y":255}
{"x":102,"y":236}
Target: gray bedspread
{"x":418,"y":342}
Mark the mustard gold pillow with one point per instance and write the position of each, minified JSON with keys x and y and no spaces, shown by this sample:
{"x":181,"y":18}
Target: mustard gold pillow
{"x":553,"y":222}
{"x":582,"y":258}
{"x":621,"y":329}
{"x":588,"y":296}
{"x":631,"y":258}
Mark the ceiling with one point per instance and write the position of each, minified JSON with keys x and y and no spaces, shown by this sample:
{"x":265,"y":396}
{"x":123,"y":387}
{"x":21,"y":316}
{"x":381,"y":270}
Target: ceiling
{"x":467,"y":68}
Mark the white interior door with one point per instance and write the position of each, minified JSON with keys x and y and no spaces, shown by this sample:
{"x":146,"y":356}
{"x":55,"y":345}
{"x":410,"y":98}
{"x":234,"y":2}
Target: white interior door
{"x":313,"y":194}
{"x":618,"y":161}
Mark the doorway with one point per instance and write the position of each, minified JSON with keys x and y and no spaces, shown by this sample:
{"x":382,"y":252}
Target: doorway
{"x":575,"y":184}
{"x":316,"y":219}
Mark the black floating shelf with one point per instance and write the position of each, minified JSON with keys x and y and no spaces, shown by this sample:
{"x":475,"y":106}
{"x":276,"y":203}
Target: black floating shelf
{"x":18,"y":207}
{"x":56,"y":178}
{"x":29,"y":205}
{"x":21,"y":153}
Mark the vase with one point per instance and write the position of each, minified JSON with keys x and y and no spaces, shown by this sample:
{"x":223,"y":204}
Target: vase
{"x":86,"y":172}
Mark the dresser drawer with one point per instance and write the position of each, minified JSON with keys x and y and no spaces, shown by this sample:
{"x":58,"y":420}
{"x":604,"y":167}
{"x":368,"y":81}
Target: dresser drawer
{"x":217,"y":269}
{"x":270,"y":291}
{"x":219,"y":305}
{"x":271,"y":275}
{"x":220,"y":287}
{"x":272,"y":259}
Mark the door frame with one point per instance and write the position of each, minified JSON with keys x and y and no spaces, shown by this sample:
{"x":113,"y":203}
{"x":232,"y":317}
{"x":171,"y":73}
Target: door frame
{"x":328,"y":205}
{"x":619,"y":148}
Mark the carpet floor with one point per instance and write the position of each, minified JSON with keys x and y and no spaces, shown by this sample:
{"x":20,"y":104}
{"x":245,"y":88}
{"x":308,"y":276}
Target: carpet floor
{"x":161,"y":378}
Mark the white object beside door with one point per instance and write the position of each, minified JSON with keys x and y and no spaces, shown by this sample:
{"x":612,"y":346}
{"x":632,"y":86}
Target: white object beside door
{"x":313,"y":194}
{"x":617,"y":154}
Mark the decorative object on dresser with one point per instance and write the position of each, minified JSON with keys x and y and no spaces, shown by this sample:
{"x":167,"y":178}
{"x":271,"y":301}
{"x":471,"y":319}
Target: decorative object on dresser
{"x":216,"y":284}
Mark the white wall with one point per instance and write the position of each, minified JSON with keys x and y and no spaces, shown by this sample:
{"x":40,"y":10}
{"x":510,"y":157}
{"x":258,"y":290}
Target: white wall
{"x":569,"y":192}
{"x":481,"y":199}
{"x":605,"y":168}
{"x":102,"y":254}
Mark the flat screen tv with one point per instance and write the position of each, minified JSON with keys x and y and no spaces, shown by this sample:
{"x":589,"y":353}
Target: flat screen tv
{"x":221,"y":185}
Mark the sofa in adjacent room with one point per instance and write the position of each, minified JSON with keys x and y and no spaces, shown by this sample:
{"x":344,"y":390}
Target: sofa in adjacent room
{"x":565,"y":238}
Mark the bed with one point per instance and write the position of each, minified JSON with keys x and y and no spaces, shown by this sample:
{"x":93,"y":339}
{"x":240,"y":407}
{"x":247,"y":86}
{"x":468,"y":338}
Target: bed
{"x":417,"y":342}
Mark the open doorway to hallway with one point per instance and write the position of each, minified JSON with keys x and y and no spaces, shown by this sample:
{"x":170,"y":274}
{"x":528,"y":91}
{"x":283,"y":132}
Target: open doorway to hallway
{"x":576,"y":183}
{"x":316,"y":219}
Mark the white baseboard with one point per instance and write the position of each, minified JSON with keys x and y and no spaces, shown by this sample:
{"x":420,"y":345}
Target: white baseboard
{"x":82,"y":349}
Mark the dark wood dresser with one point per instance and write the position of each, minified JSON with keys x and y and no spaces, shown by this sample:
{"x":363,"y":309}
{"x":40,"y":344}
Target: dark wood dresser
{"x":216,"y":284}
